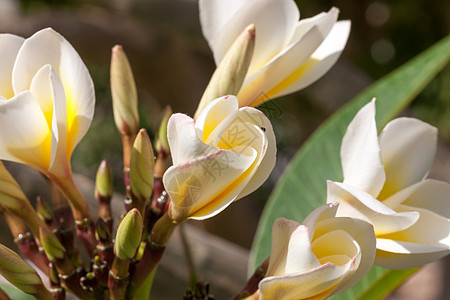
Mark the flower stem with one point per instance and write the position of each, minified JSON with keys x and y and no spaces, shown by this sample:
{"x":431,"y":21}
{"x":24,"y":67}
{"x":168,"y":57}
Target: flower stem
{"x":189,"y":260}
{"x":153,"y":252}
{"x":252,"y":284}
{"x":83,"y":222}
{"x":118,"y":278}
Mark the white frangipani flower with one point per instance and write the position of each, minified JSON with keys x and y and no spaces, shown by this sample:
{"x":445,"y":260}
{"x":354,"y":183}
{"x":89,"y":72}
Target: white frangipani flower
{"x":323,"y":256}
{"x":289,"y":54}
{"x":385,"y":184}
{"x":224,"y":155}
{"x":47,"y":100}
{"x":47,"y":103}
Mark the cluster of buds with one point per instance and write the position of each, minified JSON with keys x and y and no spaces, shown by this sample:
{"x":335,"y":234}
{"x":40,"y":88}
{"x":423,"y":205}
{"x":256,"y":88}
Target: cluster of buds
{"x":119,"y":262}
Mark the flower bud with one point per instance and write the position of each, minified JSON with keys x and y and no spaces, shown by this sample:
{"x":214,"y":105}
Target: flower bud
{"x":20,"y":274}
{"x":128,"y":235}
{"x":102,"y":233}
{"x":11,"y":195}
{"x":52,"y":246}
{"x":230,"y":74}
{"x":44,"y":211}
{"x":141,"y":166}
{"x":104,"y":181}
{"x":161,"y":144}
{"x":124,"y":95}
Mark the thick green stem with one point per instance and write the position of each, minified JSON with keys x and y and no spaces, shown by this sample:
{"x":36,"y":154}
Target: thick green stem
{"x":153,"y":252}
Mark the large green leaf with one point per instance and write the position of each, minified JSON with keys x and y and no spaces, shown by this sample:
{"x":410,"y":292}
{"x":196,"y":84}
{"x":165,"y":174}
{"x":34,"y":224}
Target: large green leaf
{"x":302,"y":188}
{"x":15,"y":293}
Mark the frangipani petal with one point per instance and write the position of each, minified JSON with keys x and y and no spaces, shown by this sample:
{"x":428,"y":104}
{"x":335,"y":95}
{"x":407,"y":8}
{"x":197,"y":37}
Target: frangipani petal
{"x":48,"y":91}
{"x":430,"y":229}
{"x":215,"y":14}
{"x":404,"y":255}
{"x":9,"y":47}
{"x":259,"y":84}
{"x":322,"y":212}
{"x":402,"y":142}
{"x":205,"y":186}
{"x":215,"y":117}
{"x":274,"y":21}
{"x":282,"y":230}
{"x":362,"y":232}
{"x":28,"y":137}
{"x":49,"y":47}
{"x":185,"y":145}
{"x":320,"y":62}
{"x":318,"y":282}
{"x":287,"y":66}
{"x":268,"y":151}
{"x":358,"y":204}
{"x":59,"y":164}
{"x":428,"y":194}
{"x":300,"y":256}
{"x":360,"y":153}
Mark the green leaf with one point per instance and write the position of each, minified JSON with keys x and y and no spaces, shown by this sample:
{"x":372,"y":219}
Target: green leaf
{"x":302,"y":188}
{"x":15,"y":293}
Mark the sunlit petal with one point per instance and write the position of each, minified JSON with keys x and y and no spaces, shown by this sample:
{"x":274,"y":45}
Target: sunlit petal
{"x":358,"y":204}
{"x":274,"y":21}
{"x":428,"y":194}
{"x":282,"y":230}
{"x":260,"y":83}
{"x":402,"y":142}
{"x":268,"y":147}
{"x":360,"y":153}
{"x":405,"y":255}
{"x":362,"y":233}
{"x":205,"y":186}
{"x":320,"y":62}
{"x":216,"y":117}
{"x":9,"y":47}
{"x":28,"y":137}
{"x":183,"y":140}
{"x":319,"y":281}
{"x":49,"y":47}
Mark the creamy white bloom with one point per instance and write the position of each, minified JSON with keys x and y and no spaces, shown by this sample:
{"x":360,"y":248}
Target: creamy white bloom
{"x":385,"y":184}
{"x":289,"y":54}
{"x":46,"y":101}
{"x":323,"y":256}
{"x":224,"y":155}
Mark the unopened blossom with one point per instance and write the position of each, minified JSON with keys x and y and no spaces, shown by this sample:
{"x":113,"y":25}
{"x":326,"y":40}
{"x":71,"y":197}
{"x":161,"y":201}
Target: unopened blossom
{"x":225,"y":154}
{"x":323,"y":256}
{"x":47,"y":103}
{"x":385,"y":183}
{"x":289,"y":54}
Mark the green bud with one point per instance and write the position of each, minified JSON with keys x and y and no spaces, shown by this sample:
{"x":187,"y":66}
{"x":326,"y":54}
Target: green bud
{"x":52,"y":246}
{"x":11,"y":195}
{"x":142,"y":166}
{"x":102,"y":233}
{"x":162,"y":145}
{"x":128,"y":235}
{"x":124,"y":95}
{"x":231,"y":72}
{"x":54,"y":278}
{"x":20,"y":274}
{"x":104,"y":181}
{"x":43,"y":210}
